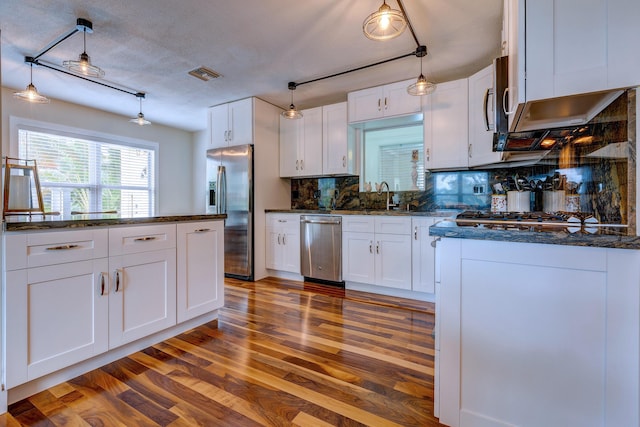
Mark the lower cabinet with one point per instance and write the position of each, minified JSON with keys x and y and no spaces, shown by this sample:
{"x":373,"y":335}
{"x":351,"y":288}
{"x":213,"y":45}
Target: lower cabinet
{"x":283,"y":242}
{"x":423,"y":255}
{"x":377,"y":250}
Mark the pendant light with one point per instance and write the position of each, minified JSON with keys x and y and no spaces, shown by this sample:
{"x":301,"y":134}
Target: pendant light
{"x":421,"y":86}
{"x":139,"y":119}
{"x":83,"y":65}
{"x":385,"y":23}
{"x":30,"y":94}
{"x":292,"y":113}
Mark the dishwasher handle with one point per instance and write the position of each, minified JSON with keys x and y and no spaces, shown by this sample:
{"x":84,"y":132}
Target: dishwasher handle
{"x":320,"y":221}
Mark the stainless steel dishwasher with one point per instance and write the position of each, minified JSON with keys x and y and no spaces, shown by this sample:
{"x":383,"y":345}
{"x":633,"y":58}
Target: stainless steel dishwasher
{"x":321,"y":248}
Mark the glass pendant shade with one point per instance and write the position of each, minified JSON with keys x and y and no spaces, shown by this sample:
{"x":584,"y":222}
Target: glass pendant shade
{"x":291,"y":113}
{"x":30,"y":94}
{"x":139,"y":119}
{"x":384,"y":24}
{"x":83,"y":64}
{"x":421,"y":87}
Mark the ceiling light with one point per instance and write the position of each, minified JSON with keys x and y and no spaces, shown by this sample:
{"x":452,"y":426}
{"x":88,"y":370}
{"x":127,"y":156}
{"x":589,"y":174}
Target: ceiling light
{"x":83,"y":64}
{"x":31,"y":94}
{"x":421,"y":86}
{"x":139,"y":119}
{"x":384,"y":24}
{"x":292,"y":113}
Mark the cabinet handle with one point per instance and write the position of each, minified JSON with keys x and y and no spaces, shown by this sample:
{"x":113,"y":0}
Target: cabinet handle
{"x":102,"y":284}
{"x":370,"y":247}
{"x":226,"y":135}
{"x":230,"y":135}
{"x":284,"y":239}
{"x":116,"y":273}
{"x":379,"y":105}
{"x":297,"y":164}
{"x":201,"y":230}
{"x":282,"y":220}
{"x":415,"y":233}
{"x":301,"y":164}
{"x":378,"y":247}
{"x":144,"y":239}
{"x":344,"y":161}
{"x":279,"y":241}
{"x":428,"y":154}
{"x":504,"y":103}
{"x":470,"y":150}
{"x":62,"y":247}
{"x":385,"y":103}
{"x":486,"y":112}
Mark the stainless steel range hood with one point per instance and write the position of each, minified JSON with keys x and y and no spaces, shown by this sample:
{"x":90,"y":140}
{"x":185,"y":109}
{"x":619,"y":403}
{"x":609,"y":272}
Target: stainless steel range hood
{"x":533,"y":119}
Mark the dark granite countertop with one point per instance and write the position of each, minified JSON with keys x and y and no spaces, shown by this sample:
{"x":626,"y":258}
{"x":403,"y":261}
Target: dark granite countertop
{"x":450,"y":229}
{"x":22,"y":223}
{"x":440,"y":213}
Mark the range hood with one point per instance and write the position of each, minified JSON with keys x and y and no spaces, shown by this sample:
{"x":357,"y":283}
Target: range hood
{"x":537,"y":123}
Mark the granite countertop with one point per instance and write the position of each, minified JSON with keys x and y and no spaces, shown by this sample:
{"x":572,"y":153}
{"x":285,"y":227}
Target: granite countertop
{"x":450,"y":229}
{"x":23,"y":223}
{"x":393,"y":212}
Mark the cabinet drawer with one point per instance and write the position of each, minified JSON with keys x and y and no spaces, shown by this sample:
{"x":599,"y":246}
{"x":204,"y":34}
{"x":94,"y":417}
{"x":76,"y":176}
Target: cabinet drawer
{"x":291,"y":221}
{"x":393,"y":225}
{"x":37,"y":249}
{"x":358,"y":223}
{"x":129,"y":240}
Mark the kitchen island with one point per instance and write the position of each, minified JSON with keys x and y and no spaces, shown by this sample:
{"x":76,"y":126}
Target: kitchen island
{"x":537,"y":328}
{"x":81,"y":293}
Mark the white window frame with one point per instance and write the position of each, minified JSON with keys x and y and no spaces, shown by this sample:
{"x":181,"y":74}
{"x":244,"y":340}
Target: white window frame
{"x":20,"y":123}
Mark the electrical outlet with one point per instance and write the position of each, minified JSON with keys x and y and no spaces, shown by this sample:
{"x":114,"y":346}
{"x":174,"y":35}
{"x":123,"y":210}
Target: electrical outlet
{"x":317,"y":194}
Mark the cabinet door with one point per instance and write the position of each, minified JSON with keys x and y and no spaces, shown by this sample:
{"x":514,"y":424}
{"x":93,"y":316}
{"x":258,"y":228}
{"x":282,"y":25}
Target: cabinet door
{"x":310,"y":146}
{"x":358,"y":257}
{"x":58,"y":316}
{"x":481,"y":119}
{"x":393,"y":261}
{"x":219,"y":125}
{"x":445,"y":126}
{"x":396,"y":101}
{"x":143,"y":295}
{"x":290,"y":237}
{"x":365,"y":104}
{"x":273,"y":250}
{"x":336,"y":156}
{"x":241,"y":122}
{"x":290,"y":135}
{"x":200,"y":268}
{"x":423,"y":256}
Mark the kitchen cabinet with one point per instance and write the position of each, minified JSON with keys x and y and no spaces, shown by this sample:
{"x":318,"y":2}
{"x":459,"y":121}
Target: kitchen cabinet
{"x":200,"y":268}
{"x":423,"y":255}
{"x":231,"y":124}
{"x":57,"y":292}
{"x":338,"y":156}
{"x":446,"y":133}
{"x":301,"y":144}
{"x":142,"y":260}
{"x":481,"y":119}
{"x":283,"y":242}
{"x":570,"y":47}
{"x":382,"y":101}
{"x":377,"y":250}
{"x":554,"y":330}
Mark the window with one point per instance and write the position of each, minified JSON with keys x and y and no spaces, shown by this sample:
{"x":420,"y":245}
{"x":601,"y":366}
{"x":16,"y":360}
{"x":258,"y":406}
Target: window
{"x":80,"y":174}
{"x":461,"y":190}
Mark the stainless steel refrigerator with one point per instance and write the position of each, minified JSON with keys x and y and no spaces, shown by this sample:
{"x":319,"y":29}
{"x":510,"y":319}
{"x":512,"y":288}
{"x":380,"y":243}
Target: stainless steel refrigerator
{"x":230,"y":176}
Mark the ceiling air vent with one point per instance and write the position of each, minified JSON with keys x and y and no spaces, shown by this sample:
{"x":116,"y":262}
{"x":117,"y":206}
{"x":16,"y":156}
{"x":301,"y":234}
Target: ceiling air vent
{"x":204,"y":73}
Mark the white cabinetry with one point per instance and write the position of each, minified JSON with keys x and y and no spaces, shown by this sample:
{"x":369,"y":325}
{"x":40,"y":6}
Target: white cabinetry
{"x":377,"y":250}
{"x":301,"y":144}
{"x":283,"y":242}
{"x":142,"y":260}
{"x":57,"y":290}
{"x":232,"y":123}
{"x":382,"y":101}
{"x":481,"y":119}
{"x":423,"y":255}
{"x":338,"y":157}
{"x":200,"y":268}
{"x":553,"y":330}
{"x":446,"y":131}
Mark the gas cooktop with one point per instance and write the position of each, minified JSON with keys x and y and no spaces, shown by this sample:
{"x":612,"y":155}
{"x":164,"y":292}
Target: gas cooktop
{"x":571,"y":222}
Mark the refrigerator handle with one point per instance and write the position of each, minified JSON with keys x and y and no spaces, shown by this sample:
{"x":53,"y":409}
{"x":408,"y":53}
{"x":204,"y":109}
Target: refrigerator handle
{"x":221,"y":194}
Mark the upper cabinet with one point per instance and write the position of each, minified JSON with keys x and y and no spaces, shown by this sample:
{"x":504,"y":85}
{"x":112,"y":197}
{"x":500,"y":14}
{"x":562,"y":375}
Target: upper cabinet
{"x":481,"y":119}
{"x":570,"y":47}
{"x":301,"y":144}
{"x":338,"y":151}
{"x":232,"y":124}
{"x":383,"y":101}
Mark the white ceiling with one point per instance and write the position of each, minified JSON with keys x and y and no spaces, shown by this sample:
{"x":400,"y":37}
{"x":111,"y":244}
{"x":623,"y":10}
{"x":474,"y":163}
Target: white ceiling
{"x":257,"y":45}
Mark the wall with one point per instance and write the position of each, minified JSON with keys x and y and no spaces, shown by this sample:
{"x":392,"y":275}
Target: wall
{"x":175,"y":193}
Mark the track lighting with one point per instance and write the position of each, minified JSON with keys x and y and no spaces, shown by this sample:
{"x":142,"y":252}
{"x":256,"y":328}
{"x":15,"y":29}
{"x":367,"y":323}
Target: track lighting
{"x":292,"y":113}
{"x":30,"y":94}
{"x":385,"y":23}
{"x":83,"y":64}
{"x":421,"y":86}
{"x":139,"y":119}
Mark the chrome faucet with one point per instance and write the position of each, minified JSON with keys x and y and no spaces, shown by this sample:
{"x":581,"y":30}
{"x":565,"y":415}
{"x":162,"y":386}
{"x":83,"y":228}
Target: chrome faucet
{"x":389,"y":205}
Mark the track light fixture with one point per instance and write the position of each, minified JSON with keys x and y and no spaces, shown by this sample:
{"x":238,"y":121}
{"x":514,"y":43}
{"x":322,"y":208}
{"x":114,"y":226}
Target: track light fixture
{"x":83,"y":64}
{"x":292,"y":113}
{"x":385,"y":23}
{"x":30,"y":94}
{"x":421,"y":86}
{"x":139,"y":119}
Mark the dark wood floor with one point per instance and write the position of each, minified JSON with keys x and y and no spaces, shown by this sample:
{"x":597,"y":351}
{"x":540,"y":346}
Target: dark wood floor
{"x":281,"y":354}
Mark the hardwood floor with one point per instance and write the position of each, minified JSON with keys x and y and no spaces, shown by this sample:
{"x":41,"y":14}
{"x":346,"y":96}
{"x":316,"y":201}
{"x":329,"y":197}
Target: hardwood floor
{"x":281,"y":354}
